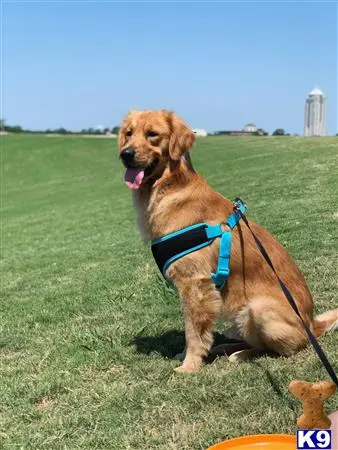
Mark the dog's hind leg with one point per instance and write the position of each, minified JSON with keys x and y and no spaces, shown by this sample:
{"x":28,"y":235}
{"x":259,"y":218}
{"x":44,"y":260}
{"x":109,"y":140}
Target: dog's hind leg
{"x":246,"y":355}
{"x":270,"y":324}
{"x":239,"y":351}
{"x":201,"y":303}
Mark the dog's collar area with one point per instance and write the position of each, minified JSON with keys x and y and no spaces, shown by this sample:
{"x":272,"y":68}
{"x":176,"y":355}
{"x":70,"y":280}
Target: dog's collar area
{"x":173,"y":246}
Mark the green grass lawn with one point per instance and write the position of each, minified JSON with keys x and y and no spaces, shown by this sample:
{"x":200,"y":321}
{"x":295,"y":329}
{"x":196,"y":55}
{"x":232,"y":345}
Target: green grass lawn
{"x":89,"y":329}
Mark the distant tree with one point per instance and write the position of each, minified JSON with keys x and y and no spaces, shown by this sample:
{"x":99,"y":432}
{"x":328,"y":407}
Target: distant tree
{"x":279,"y":132}
{"x":2,"y":124}
{"x":87,"y":131}
{"x":260,"y":132}
{"x":337,"y":134}
{"x":61,"y":131}
{"x":13,"y":128}
{"x":17,"y":129}
{"x":115,"y":130}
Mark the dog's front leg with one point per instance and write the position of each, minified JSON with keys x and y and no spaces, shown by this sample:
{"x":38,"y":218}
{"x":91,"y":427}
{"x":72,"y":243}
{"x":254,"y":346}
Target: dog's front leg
{"x":201,"y":303}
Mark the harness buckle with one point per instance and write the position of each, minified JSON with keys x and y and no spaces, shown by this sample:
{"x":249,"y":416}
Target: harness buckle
{"x":220,"y":277}
{"x":239,"y":205}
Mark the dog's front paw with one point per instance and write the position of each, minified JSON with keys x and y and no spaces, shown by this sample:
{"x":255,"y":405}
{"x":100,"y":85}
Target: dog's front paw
{"x":188,"y":367}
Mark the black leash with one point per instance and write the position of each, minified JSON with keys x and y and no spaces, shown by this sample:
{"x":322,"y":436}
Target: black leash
{"x":312,"y":339}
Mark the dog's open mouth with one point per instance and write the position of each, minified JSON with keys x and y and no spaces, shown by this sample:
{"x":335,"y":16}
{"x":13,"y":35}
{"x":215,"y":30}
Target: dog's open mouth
{"x":135,"y":176}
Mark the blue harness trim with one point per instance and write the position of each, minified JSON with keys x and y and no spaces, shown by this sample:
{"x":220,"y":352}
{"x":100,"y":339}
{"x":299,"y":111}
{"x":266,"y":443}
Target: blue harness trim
{"x":173,"y":246}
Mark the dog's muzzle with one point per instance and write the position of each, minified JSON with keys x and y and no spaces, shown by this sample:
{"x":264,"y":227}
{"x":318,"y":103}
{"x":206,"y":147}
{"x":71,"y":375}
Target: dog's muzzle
{"x":127,"y":155}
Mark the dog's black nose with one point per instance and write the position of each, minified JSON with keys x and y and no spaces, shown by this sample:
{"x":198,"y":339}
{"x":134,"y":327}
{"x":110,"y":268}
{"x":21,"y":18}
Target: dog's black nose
{"x":127,"y":155}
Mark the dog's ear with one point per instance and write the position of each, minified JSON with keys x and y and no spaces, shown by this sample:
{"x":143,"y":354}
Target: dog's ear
{"x":181,"y":138}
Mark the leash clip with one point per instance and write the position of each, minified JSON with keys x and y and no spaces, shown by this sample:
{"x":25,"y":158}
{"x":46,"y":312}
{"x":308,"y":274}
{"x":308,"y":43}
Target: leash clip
{"x":239,"y":205}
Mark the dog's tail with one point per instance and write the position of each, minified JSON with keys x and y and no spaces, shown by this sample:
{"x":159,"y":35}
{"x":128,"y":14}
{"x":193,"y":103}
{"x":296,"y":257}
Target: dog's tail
{"x":327,"y":321}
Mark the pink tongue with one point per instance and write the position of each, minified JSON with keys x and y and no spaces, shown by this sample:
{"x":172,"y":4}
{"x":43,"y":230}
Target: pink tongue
{"x":133,"y":177}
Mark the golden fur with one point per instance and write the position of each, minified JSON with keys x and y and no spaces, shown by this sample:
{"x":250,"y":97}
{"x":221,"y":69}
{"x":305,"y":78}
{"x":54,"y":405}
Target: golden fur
{"x":174,"y":196}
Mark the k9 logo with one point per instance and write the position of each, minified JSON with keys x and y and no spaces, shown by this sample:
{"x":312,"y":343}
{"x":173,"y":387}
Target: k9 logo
{"x":314,"y":439}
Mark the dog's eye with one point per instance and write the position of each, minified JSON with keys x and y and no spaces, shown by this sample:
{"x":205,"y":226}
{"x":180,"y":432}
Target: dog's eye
{"x":129,"y":133}
{"x":152,"y":134}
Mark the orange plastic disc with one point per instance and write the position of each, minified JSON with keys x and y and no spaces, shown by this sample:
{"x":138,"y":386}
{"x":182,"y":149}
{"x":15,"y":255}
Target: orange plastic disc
{"x":257,"y":442}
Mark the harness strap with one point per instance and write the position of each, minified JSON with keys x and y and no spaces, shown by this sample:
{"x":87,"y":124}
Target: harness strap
{"x":290,"y":299}
{"x":223,"y":267}
{"x":173,"y":246}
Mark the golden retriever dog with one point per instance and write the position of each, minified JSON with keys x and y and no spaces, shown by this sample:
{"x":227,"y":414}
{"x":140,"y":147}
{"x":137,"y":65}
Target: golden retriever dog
{"x":168,"y":195}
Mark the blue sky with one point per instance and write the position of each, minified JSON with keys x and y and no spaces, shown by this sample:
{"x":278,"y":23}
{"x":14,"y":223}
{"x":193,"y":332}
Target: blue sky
{"x":218,"y":65}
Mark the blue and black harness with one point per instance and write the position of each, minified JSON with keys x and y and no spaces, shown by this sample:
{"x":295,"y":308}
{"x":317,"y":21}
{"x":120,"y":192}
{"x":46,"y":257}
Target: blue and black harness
{"x":173,"y":246}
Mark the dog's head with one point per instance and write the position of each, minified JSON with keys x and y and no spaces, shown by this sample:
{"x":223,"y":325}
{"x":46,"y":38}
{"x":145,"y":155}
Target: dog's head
{"x":148,"y":141}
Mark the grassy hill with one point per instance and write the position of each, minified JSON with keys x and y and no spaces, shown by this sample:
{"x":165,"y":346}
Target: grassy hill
{"x":89,"y":329}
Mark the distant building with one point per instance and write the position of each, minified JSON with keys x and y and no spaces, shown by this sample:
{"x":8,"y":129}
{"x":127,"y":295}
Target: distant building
{"x":233,"y":133}
{"x":315,"y":113}
{"x":250,"y":128}
{"x":200,"y":132}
